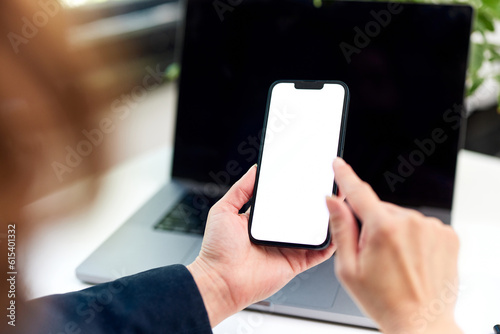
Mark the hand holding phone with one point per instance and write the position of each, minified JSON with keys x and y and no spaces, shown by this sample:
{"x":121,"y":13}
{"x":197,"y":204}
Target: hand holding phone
{"x":303,"y":133}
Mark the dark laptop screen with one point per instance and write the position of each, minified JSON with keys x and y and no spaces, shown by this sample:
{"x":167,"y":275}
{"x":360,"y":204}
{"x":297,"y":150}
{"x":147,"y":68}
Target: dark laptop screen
{"x":405,"y":70}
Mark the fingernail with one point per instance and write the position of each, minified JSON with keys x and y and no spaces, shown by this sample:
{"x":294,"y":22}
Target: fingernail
{"x":251,"y":167}
{"x":338,"y":162}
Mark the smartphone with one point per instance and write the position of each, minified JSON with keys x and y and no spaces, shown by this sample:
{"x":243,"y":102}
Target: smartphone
{"x":304,"y":130}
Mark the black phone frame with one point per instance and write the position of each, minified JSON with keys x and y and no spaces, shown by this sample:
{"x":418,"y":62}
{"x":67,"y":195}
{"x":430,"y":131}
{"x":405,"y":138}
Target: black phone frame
{"x":304,"y":84}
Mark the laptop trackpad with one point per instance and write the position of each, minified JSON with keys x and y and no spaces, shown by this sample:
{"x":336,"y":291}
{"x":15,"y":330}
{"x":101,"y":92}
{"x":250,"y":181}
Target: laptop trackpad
{"x":314,"y":288}
{"x":152,"y":249}
{"x":344,"y":304}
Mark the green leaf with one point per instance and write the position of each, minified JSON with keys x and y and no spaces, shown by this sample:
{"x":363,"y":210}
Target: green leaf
{"x":490,"y":3}
{"x":476,"y":83}
{"x":493,"y":50}
{"x":493,"y":7}
{"x":493,"y":13}
{"x":485,"y":21}
{"x":476,"y":58}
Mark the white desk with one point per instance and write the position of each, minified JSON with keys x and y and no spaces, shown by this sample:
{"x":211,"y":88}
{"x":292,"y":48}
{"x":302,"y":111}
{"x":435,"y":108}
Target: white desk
{"x":58,"y":249}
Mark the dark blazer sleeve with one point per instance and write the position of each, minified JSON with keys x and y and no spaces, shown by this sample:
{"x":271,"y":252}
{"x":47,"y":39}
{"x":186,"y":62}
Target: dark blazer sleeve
{"x":163,"y":300}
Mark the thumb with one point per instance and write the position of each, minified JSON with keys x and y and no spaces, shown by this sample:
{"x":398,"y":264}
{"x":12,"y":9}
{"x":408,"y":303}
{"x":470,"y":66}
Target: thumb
{"x":241,"y":192}
{"x":344,"y":230}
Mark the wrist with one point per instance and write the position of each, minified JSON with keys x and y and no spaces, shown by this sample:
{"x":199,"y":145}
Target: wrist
{"x":214,"y":291}
{"x":444,"y":326}
{"x":427,"y":326}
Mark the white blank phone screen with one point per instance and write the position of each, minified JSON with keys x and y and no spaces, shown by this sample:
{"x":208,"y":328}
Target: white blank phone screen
{"x":301,"y":142}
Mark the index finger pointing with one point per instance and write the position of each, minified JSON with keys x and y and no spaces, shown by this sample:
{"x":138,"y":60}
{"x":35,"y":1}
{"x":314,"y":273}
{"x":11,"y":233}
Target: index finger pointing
{"x":358,"y":193}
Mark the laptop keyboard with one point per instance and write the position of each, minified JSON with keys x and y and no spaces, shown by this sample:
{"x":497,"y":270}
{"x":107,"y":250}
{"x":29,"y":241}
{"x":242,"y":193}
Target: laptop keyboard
{"x":189,"y":215}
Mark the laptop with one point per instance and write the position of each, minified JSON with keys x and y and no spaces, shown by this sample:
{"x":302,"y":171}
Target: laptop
{"x":405,"y":66}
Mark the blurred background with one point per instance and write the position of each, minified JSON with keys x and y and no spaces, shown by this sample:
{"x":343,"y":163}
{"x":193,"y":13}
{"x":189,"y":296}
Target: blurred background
{"x":131,"y":40}
{"x":129,"y":35}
